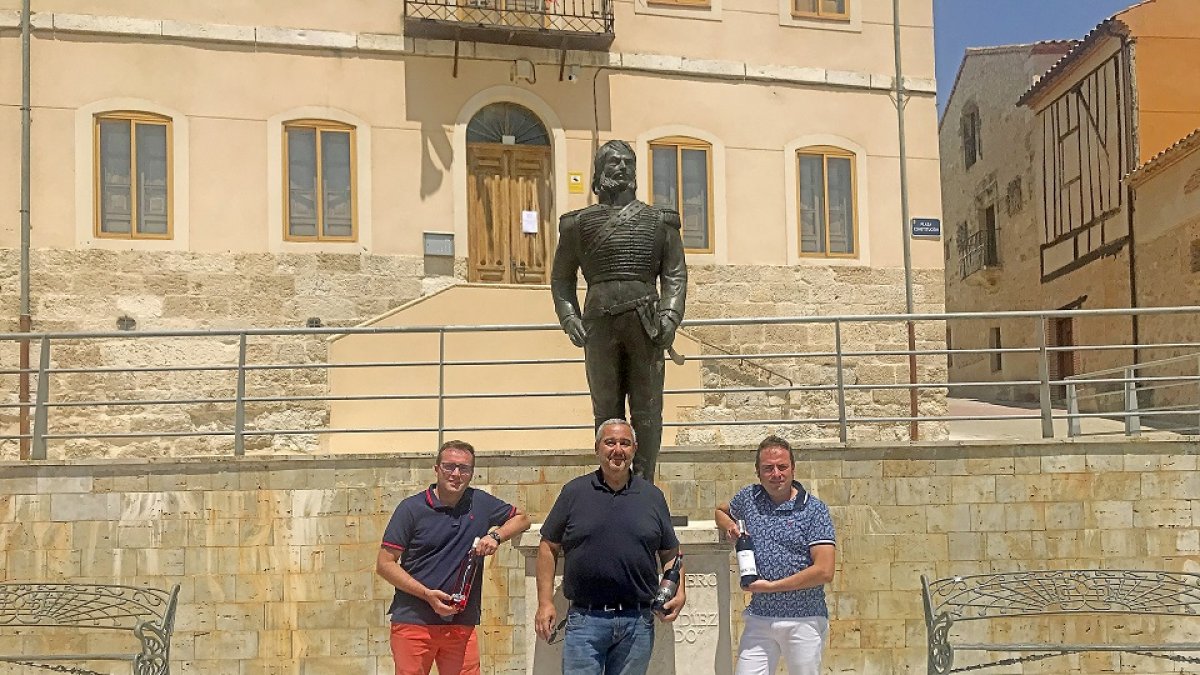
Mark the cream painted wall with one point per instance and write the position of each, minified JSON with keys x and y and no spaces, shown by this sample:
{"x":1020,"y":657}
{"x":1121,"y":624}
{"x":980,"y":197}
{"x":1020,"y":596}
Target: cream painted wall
{"x":755,"y":150}
{"x":1168,"y":198}
{"x":379,"y":16}
{"x":751,"y":30}
{"x":236,"y":146}
{"x":477,"y":305}
{"x":411,"y":142}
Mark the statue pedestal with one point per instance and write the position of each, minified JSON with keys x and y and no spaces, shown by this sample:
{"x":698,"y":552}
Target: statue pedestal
{"x":699,"y":641}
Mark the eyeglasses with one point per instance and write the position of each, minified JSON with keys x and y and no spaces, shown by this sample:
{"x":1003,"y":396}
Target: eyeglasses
{"x":450,"y":468}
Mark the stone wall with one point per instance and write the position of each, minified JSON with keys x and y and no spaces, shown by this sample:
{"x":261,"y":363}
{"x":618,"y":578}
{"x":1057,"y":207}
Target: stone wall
{"x":275,"y":556}
{"x":88,"y":290}
{"x":746,"y":291}
{"x":989,"y":81}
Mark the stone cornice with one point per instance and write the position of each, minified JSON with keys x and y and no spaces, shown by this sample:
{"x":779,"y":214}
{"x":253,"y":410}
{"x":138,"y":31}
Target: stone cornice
{"x":398,"y":45}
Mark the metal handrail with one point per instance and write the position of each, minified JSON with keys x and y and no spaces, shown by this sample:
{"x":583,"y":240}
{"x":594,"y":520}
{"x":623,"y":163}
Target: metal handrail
{"x":1133,"y":385}
{"x":1137,"y":366}
{"x":1133,"y":379}
{"x":689,"y":323}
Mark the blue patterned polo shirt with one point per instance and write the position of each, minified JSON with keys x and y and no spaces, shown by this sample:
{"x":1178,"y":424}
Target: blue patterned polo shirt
{"x":782,"y":536}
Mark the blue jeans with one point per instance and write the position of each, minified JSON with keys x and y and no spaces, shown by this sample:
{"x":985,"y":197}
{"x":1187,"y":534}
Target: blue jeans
{"x":608,"y":643}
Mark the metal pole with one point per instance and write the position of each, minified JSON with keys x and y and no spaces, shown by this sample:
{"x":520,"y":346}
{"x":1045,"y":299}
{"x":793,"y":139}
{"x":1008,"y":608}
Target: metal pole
{"x":1072,"y":411}
{"x":913,"y":430}
{"x":1133,"y":421}
{"x":24,"y":320}
{"x":1044,"y":376}
{"x":441,"y":387}
{"x":841,"y":381}
{"x":38,"y":451}
{"x":239,"y":401}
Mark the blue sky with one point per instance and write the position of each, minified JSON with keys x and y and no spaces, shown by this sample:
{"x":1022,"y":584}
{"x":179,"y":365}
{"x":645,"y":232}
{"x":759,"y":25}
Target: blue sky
{"x":959,"y":24}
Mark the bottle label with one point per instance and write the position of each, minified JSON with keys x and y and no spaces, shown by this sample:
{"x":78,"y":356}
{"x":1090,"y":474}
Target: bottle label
{"x":746,"y":564}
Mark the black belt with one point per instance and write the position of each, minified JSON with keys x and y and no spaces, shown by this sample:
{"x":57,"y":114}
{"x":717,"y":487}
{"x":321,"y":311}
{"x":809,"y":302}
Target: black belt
{"x":610,"y":607}
{"x":621,"y":307}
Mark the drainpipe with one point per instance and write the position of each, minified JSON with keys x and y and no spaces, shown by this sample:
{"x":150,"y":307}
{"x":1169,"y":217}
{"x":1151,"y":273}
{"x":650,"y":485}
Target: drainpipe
{"x":24,"y":321}
{"x":1127,"y":46}
{"x":913,"y":429}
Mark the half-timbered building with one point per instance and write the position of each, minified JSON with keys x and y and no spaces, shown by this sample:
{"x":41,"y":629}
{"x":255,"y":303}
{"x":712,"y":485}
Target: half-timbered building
{"x":1120,"y":95}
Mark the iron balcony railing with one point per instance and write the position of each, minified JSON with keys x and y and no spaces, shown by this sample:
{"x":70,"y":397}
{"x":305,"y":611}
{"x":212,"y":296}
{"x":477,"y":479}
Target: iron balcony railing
{"x":558,"y":24}
{"x":980,"y":250}
{"x":826,"y":384}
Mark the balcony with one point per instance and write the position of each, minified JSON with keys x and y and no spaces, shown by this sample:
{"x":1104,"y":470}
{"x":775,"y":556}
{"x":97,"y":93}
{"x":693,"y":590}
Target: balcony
{"x":552,"y":24}
{"x":978,"y":251}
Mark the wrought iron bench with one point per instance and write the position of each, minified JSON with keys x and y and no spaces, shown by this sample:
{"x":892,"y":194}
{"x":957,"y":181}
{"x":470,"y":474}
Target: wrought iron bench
{"x":147,"y":613}
{"x":1054,"y":592}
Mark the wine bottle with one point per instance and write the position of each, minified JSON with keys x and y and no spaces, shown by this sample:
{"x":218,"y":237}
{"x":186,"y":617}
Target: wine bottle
{"x":668,"y":586}
{"x":463,"y":580}
{"x":747,"y":567}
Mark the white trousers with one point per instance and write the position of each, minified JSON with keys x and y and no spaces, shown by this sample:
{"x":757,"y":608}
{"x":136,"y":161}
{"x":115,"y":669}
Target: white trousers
{"x":798,"y":641}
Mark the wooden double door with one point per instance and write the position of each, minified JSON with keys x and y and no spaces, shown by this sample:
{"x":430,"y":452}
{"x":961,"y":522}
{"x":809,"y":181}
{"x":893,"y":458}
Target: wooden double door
{"x":510,"y":222}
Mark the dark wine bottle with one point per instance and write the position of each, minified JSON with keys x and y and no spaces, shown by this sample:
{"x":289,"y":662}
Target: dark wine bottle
{"x":460,"y":593}
{"x":747,"y":567}
{"x":668,"y":586}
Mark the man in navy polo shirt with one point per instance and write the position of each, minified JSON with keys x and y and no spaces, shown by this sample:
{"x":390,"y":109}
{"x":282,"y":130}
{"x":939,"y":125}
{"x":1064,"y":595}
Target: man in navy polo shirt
{"x":615,"y":531}
{"x":794,"y":551}
{"x":426,"y":541}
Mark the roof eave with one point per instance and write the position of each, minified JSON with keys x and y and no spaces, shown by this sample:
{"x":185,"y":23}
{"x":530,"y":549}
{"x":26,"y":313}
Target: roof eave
{"x":1111,"y":27}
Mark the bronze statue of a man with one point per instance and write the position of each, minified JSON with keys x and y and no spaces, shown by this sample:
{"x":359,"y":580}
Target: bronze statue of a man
{"x":631,"y":255}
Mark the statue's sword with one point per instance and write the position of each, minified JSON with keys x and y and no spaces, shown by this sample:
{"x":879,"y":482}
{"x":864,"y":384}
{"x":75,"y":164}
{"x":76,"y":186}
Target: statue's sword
{"x":676,"y":357}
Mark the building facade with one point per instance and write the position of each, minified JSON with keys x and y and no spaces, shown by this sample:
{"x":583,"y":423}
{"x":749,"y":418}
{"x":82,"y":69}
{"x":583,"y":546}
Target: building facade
{"x":988,"y":179}
{"x":269,"y":164}
{"x":1166,"y":192}
{"x":1109,"y":104}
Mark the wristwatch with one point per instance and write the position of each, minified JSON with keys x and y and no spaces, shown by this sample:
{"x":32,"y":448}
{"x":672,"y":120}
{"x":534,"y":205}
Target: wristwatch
{"x":495,"y":535}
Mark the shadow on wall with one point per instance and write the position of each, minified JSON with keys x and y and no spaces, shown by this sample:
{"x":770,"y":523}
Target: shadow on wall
{"x":434,"y":142}
{"x":435,"y":114}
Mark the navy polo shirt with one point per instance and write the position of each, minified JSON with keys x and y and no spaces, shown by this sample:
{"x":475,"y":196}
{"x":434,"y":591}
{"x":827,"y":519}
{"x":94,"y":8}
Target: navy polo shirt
{"x":433,"y":540}
{"x":610,"y":539}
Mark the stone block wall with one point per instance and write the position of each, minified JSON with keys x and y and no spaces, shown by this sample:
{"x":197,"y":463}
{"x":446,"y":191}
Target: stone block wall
{"x":276,"y":556}
{"x":88,"y":290}
{"x":747,"y":291}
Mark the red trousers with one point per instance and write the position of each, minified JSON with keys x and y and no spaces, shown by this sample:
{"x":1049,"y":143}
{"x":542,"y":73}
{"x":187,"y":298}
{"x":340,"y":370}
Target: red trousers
{"x":416,"y":648}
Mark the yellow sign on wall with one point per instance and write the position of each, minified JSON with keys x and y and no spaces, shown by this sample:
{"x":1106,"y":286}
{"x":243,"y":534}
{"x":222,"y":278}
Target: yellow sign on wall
{"x":575,"y":182}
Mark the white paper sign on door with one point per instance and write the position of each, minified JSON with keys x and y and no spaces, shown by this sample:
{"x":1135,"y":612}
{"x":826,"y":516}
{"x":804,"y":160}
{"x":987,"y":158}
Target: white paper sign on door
{"x":529,"y":222}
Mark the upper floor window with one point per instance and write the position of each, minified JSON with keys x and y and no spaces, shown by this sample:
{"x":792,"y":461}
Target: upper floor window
{"x":828,"y":219}
{"x":972,"y":140}
{"x":319,"y":175}
{"x":825,"y":9}
{"x":133,"y":176}
{"x":681,"y":179}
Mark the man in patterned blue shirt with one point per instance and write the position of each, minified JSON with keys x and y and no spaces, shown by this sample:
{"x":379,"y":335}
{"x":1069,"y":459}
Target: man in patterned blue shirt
{"x":794,"y":551}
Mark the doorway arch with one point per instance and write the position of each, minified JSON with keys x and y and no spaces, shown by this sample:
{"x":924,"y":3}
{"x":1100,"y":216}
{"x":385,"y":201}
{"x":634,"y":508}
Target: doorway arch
{"x":509,"y":195}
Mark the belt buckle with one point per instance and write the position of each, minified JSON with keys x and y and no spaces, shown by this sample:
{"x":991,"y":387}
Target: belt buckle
{"x":612,"y":608}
